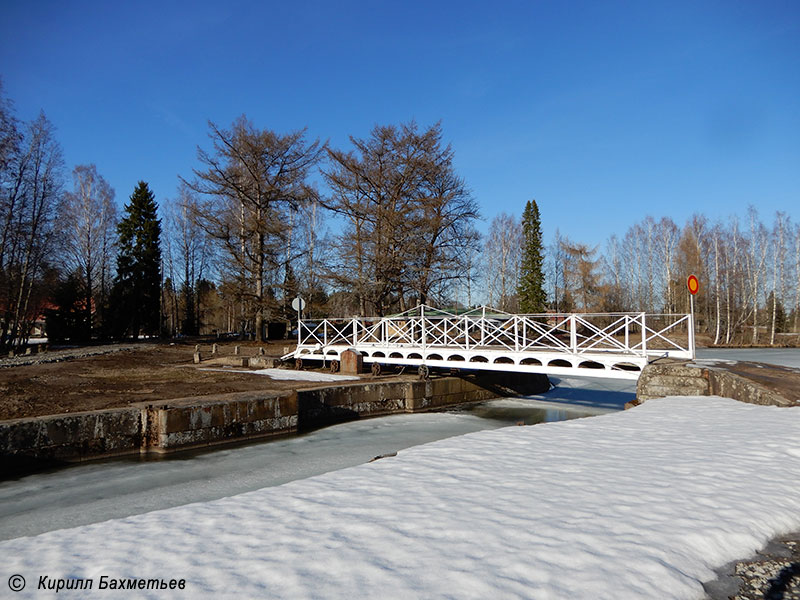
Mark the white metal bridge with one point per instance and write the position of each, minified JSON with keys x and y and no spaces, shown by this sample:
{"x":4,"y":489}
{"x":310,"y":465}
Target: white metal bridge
{"x":610,"y":345}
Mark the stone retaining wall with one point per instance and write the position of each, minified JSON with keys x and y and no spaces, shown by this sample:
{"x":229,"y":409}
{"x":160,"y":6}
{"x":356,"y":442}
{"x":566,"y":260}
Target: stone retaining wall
{"x":685,"y":379}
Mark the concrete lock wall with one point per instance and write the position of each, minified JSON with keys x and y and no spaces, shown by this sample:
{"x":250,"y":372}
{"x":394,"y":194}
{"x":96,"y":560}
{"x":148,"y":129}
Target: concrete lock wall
{"x":325,"y":406}
{"x":195,"y":422}
{"x":174,"y":425}
{"x":28,"y":444}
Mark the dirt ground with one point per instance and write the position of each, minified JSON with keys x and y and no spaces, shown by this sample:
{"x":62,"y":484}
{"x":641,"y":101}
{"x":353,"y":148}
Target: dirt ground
{"x":125,"y":375}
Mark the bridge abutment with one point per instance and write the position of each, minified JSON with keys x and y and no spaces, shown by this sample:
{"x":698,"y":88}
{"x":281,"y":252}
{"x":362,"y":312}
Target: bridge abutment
{"x":750,"y":382}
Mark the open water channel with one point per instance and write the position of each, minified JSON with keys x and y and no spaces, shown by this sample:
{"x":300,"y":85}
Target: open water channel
{"x":93,"y":492}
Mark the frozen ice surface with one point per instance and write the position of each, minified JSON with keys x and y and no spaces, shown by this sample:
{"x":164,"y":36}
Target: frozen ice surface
{"x":787,"y":357}
{"x":98,"y":491}
{"x":636,"y":504}
{"x":93,"y":492}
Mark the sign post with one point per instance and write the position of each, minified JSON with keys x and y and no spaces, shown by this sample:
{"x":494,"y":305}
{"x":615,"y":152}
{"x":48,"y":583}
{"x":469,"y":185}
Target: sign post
{"x":694,"y":287}
{"x":298,"y":304}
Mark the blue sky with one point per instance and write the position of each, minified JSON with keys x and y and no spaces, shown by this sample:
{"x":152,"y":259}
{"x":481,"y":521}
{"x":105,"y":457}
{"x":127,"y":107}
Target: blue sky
{"x":604,"y":112}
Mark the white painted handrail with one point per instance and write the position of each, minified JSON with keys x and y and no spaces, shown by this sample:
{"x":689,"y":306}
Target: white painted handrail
{"x":484,"y":336}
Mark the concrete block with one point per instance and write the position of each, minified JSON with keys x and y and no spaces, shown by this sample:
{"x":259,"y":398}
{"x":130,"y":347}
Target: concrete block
{"x":351,"y":362}
{"x":175,"y":419}
{"x":261,"y":362}
{"x":287,"y":405}
{"x":61,"y":431}
{"x":218,"y":416}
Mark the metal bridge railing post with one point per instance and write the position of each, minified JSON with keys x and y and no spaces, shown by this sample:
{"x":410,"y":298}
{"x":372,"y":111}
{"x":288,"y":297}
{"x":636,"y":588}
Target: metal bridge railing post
{"x":423,"y":331}
{"x":299,"y":330}
{"x":644,"y":336}
{"x":573,"y":335}
{"x":355,"y":331}
{"x":483,"y":326}
{"x":627,"y":333}
{"x":516,"y":333}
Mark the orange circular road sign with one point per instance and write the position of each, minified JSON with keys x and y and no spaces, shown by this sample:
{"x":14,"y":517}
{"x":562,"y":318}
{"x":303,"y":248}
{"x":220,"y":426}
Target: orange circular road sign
{"x":693,"y":284}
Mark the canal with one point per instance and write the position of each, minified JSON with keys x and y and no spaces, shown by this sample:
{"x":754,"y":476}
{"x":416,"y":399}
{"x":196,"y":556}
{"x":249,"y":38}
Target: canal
{"x":102,"y":490}
{"x":98,"y":491}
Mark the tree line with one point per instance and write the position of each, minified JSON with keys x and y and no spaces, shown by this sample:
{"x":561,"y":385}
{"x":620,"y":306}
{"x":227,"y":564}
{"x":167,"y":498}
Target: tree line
{"x":245,"y":234}
{"x":749,"y":273}
{"x":396,"y":226}
{"x":64,"y":254}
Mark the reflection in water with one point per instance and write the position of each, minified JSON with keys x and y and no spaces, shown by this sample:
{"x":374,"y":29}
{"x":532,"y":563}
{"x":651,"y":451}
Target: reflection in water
{"x":522,"y":415}
{"x":570,"y":398}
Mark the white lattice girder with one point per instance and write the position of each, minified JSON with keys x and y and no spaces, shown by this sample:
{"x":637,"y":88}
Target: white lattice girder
{"x":485,"y":335}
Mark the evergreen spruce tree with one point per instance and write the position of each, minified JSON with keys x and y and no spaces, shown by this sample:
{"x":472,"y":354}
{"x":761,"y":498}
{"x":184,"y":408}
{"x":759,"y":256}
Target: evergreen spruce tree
{"x":137,"y":288}
{"x":532,"y":297}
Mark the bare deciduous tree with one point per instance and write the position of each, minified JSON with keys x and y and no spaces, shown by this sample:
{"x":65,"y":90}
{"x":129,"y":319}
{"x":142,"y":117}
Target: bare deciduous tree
{"x":31,"y":189}
{"x":408,"y":217}
{"x":778,"y":257}
{"x":88,"y":220}
{"x":746,"y":277}
{"x":188,"y":255}
{"x":249,"y":182}
{"x":503,"y":251}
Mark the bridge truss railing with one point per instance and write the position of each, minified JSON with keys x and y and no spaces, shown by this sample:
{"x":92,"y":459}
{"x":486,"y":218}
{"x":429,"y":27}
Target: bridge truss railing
{"x":638,"y":335}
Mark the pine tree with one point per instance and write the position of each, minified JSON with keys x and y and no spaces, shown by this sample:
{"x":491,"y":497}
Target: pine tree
{"x":137,"y":289}
{"x":531,"y":292}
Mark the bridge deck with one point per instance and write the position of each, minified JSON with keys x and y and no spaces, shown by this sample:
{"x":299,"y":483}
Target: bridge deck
{"x":610,"y":345}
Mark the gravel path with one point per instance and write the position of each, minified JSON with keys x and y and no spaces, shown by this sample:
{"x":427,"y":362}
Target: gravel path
{"x":772,"y":574}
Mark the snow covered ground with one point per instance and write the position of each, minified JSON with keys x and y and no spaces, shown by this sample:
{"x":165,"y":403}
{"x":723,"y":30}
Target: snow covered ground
{"x":636,"y":504}
{"x":292,"y":375}
{"x":788,"y":357}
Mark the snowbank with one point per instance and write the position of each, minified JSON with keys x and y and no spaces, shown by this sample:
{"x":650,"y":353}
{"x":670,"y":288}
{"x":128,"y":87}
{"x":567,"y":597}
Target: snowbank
{"x":288,"y":374}
{"x":291,"y":375}
{"x":640,"y":504}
